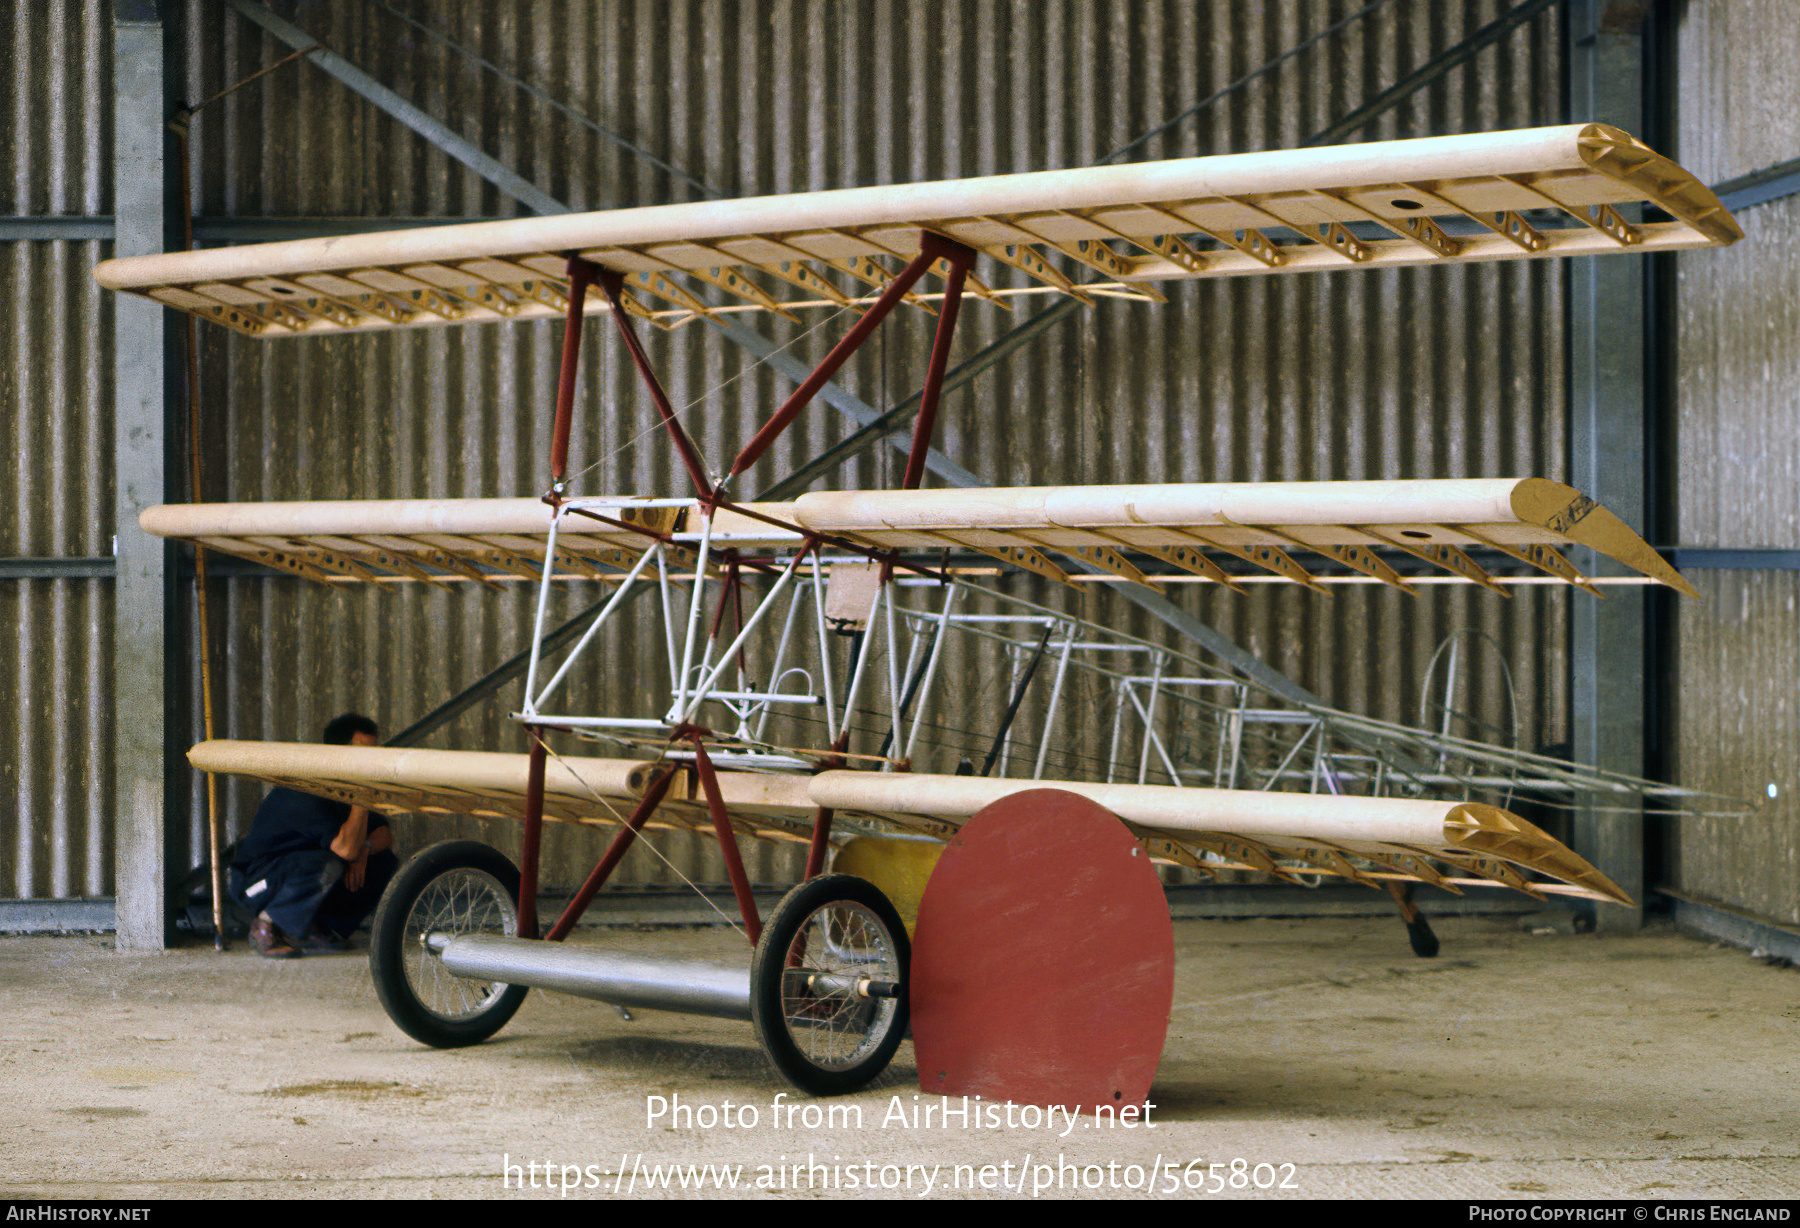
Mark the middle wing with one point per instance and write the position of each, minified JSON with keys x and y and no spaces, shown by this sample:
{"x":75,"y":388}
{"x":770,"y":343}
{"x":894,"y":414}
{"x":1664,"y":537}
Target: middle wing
{"x":1121,"y":530}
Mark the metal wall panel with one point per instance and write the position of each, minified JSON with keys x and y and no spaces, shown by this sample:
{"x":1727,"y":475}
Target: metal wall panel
{"x":1738,"y":457}
{"x":55,"y":764}
{"x":54,"y":114}
{"x":55,"y":384}
{"x":1415,"y":373}
{"x":1435,"y":373}
{"x":56,"y":482}
{"x":1738,"y":690}
{"x":1738,"y":70}
{"x":1738,"y":452}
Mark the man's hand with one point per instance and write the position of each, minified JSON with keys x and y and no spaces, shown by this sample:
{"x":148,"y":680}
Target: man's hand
{"x":355,"y":872}
{"x":353,"y":836}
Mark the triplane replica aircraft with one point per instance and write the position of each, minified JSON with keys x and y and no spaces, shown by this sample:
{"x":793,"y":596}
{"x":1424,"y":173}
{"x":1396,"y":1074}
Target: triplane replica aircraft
{"x":1040,"y":966}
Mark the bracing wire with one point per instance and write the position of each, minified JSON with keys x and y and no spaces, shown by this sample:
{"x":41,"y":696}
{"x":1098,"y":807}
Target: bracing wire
{"x":641,"y":841}
{"x":743,"y":371}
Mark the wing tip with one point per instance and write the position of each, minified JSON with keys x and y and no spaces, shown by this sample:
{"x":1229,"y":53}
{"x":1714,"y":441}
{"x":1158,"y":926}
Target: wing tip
{"x":1565,"y":511}
{"x":1616,"y":153}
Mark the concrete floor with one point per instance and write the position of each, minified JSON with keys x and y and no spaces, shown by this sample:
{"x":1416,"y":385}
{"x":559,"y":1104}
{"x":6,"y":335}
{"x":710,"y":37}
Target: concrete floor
{"x":1515,"y":1065}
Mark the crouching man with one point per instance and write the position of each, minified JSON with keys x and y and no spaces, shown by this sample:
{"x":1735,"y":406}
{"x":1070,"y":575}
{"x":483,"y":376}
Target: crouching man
{"x":313,"y":870}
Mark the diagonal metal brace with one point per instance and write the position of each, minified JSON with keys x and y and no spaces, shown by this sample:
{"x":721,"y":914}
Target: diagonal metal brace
{"x":932,"y":248}
{"x":653,"y":797}
{"x":613,"y":285}
{"x":728,"y":845}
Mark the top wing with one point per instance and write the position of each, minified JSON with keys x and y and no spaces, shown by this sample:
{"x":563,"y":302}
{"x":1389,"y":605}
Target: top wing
{"x":1086,"y":232}
{"x":1180,"y":526}
{"x":1363,"y":839}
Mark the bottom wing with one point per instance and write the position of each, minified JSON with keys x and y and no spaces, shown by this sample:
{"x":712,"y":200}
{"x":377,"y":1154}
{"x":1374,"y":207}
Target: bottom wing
{"x":1365,"y":839}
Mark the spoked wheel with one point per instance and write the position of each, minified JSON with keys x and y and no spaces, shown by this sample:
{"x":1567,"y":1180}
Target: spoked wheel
{"x":828,"y":984}
{"x":450,"y":889}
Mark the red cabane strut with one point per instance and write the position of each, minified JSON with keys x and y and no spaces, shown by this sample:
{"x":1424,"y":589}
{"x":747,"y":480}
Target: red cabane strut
{"x":583,"y":273}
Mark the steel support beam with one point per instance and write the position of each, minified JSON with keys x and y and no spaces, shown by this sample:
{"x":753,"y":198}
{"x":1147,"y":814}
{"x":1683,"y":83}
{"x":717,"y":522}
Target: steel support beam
{"x":91,"y":916}
{"x":1760,"y":187}
{"x":1609,"y":400}
{"x":56,"y":569}
{"x":433,"y":130}
{"x":1721,"y":923}
{"x":1431,"y":70}
{"x":1726,"y":558}
{"x":15,"y":229}
{"x":539,"y":201}
{"x":144,"y":831}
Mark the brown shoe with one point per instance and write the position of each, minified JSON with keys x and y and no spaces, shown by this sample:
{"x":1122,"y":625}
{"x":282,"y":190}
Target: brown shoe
{"x":269,"y":942}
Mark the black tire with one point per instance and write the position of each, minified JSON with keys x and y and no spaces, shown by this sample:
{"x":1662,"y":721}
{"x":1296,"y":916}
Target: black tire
{"x":457,"y":887}
{"x":831,"y":1041}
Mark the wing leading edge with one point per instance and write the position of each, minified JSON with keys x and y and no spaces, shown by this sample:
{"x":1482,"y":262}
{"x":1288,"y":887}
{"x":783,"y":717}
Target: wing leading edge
{"x":1098,"y":231}
{"x":1362,"y":839}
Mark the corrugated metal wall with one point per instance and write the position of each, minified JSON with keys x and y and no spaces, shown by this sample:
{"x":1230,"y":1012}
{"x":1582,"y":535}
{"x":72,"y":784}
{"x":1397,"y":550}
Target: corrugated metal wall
{"x":56,"y":424}
{"x":1406,"y":373}
{"x":1739,"y":458}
